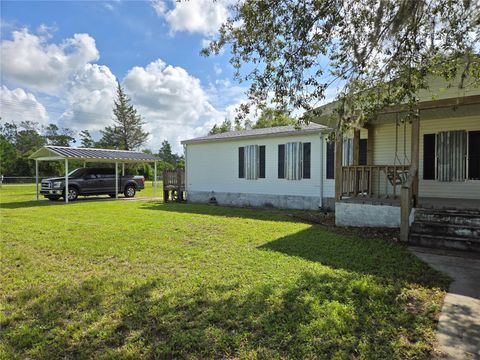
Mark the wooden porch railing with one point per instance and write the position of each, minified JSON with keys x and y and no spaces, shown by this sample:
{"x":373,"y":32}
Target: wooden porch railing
{"x":173,"y":184}
{"x":373,"y":181}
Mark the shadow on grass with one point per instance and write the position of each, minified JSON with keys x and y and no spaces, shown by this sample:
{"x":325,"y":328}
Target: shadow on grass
{"x":351,"y":253}
{"x":370,"y":256}
{"x":320,"y":315}
{"x":28,"y":204}
{"x":46,"y":202}
{"x":267,"y":214}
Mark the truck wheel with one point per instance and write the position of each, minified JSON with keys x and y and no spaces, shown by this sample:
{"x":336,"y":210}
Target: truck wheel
{"x":53,"y":198}
{"x":111,"y":195}
{"x":72,"y":194}
{"x":129,"y":191}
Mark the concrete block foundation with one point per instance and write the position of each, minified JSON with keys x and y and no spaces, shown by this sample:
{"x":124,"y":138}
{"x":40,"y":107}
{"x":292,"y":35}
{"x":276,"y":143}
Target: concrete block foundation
{"x":255,"y":200}
{"x":359,"y":215}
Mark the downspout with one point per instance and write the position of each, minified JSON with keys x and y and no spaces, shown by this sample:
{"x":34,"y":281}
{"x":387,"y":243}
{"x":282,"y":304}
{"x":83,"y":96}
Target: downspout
{"x":185,"y":171}
{"x":320,"y":202}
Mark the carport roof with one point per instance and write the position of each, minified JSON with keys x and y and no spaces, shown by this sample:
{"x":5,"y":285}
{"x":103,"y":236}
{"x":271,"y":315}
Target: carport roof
{"x":91,"y":154}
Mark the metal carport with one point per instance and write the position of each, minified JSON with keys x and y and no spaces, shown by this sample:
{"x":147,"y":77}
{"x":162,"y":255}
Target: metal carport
{"x":62,"y":153}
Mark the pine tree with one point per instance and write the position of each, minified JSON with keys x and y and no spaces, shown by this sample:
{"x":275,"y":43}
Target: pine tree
{"x":86,"y":139}
{"x":127,"y":132}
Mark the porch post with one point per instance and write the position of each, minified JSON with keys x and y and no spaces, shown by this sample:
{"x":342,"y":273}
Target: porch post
{"x":371,"y":139}
{"x":116,"y":180}
{"x":66,"y":181}
{"x":338,"y":164}
{"x":415,"y":157}
{"x":36,"y":177}
{"x":154,"y":179}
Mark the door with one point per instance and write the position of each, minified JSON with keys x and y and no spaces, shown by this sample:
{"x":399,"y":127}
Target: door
{"x":89,"y":183}
{"x":106,"y":181}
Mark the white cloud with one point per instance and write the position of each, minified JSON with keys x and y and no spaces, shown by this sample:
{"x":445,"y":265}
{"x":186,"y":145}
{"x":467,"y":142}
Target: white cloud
{"x":80,"y":93}
{"x":198,"y":16}
{"x":89,"y":98}
{"x":28,"y":60}
{"x":18,"y":105}
{"x":159,"y":6}
{"x":173,"y":103}
{"x":217,"y":69}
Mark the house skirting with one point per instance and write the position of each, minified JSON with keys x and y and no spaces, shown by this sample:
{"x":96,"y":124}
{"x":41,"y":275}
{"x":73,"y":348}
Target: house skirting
{"x":358,"y":214}
{"x":255,"y":200}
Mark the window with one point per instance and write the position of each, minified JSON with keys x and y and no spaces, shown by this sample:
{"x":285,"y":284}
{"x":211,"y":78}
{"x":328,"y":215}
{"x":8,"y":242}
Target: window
{"x":294,"y":160}
{"x":474,"y":155}
{"x":451,"y":153}
{"x":306,"y":160}
{"x":330,"y":160}
{"x":429,"y":156}
{"x":347,"y":152}
{"x":251,"y":162}
{"x":241,"y":162}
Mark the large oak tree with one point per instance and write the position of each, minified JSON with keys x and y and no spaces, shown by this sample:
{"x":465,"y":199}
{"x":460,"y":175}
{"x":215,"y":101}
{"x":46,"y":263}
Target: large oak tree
{"x":377,"y":52}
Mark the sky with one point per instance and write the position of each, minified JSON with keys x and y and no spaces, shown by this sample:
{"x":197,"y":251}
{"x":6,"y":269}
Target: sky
{"x":60,"y":61}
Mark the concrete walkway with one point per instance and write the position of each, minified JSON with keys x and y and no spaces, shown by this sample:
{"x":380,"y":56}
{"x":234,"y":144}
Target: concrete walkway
{"x":458,"y":331}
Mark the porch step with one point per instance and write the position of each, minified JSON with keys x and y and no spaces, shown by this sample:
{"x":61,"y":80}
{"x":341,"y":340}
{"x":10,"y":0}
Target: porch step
{"x":445,"y":242}
{"x":447,"y":229}
{"x":457,"y":217}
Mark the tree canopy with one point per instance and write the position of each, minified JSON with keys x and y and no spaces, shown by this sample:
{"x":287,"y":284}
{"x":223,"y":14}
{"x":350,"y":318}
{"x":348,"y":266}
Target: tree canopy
{"x":274,"y":117}
{"x":376,"y":53}
{"x":269,"y":117}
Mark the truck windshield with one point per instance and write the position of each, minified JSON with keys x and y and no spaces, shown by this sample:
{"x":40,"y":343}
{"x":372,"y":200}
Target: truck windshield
{"x":77,"y":173}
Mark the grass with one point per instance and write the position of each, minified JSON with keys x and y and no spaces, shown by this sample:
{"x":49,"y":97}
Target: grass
{"x":139,"y":279}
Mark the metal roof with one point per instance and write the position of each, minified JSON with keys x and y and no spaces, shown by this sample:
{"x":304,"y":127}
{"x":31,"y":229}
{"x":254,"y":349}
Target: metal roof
{"x":265,"y":132}
{"x":91,"y":154}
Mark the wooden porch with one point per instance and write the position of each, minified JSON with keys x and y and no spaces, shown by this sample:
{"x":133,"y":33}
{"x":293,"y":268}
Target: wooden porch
{"x":397,"y":183}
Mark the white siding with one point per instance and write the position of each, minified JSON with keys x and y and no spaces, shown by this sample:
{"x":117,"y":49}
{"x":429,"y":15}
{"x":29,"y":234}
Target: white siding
{"x":213,"y":166}
{"x":384,"y":153}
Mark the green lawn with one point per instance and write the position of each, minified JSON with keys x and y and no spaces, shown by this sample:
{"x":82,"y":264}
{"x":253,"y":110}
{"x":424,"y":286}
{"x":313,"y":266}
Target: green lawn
{"x":139,"y":279}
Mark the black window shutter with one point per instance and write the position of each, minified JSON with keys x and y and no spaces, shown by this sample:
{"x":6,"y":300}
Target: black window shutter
{"x":241,"y":162}
{"x":261,"y":174}
{"x":474,"y":155}
{"x":281,"y":161}
{"x":330,"y":160}
{"x":429,"y":156}
{"x":363,"y":152}
{"x":306,"y":160}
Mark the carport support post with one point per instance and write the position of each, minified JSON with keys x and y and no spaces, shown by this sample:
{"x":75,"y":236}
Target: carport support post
{"x":155,"y":179}
{"x":36,"y":176}
{"x":116,"y":180}
{"x":66,"y":181}
{"x":123,"y":169}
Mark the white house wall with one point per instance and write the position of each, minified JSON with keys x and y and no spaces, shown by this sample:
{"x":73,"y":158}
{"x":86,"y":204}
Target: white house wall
{"x":384,"y":154}
{"x":212,"y":172}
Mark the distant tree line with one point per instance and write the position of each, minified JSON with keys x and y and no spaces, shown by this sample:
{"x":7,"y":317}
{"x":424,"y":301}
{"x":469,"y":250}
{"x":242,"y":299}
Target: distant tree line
{"x":269,"y":117}
{"x":19,"y":141}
